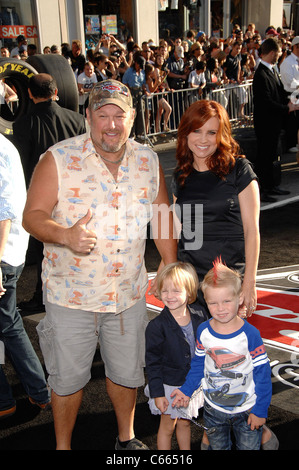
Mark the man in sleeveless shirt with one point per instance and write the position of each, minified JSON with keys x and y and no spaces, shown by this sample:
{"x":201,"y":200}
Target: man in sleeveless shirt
{"x":90,"y":201}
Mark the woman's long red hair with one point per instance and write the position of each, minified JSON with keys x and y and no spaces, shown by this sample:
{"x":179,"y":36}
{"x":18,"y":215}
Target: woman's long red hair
{"x":227,"y":151}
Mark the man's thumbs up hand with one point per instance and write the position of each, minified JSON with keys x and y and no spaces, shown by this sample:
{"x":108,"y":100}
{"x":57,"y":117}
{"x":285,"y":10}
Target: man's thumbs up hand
{"x":79,"y":238}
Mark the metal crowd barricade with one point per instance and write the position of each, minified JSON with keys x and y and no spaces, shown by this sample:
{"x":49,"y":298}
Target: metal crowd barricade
{"x":236,"y":99}
{"x":238,"y":102}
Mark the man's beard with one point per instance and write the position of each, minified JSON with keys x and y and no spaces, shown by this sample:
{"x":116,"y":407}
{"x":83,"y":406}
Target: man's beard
{"x":112,"y":148}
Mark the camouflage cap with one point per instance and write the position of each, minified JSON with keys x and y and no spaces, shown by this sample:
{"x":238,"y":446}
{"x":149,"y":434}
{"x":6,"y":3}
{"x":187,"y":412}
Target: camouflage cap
{"x":110,"y":92}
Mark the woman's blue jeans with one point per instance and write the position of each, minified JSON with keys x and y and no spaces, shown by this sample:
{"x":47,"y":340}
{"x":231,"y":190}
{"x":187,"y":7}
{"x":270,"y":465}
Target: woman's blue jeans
{"x":17,"y":345}
{"x":224,"y":423}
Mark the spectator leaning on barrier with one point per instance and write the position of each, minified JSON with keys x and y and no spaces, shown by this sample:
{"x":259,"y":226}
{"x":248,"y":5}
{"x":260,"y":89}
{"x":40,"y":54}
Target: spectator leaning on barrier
{"x":232,"y":74}
{"x":177,"y":80}
{"x":134,"y":78}
{"x":4,"y":52}
{"x":197,"y":80}
{"x":177,"y":76}
{"x":21,"y":42}
{"x":104,"y":68}
{"x":232,"y":66}
{"x":77,"y":57}
{"x":195,"y":53}
{"x":213,"y":80}
{"x":86,"y":80}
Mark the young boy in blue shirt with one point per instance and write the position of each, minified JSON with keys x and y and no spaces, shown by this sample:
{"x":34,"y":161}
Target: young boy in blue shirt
{"x":232,"y":365}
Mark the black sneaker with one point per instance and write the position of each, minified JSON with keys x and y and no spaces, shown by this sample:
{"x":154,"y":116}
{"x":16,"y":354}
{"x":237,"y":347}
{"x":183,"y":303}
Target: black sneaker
{"x":133,"y":444}
{"x":266,"y":198}
{"x":277,"y":191}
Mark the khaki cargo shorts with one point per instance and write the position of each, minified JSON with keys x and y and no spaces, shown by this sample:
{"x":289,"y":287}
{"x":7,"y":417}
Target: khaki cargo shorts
{"x":69,"y":339}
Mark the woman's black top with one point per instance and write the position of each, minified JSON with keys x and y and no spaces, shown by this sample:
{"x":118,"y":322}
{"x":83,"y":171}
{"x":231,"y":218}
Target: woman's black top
{"x":208,"y":208}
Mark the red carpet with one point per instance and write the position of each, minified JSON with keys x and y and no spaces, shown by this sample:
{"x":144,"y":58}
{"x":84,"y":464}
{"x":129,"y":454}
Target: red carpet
{"x":276,"y":316}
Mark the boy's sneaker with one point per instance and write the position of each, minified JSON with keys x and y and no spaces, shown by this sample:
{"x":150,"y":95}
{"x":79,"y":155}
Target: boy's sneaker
{"x":8,"y":412}
{"x":42,"y":406}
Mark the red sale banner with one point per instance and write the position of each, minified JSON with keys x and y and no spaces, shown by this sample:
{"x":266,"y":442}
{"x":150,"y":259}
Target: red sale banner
{"x":10,"y":32}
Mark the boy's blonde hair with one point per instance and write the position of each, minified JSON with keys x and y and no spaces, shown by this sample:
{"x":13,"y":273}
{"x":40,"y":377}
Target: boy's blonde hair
{"x":222,"y":276}
{"x":182,"y":275}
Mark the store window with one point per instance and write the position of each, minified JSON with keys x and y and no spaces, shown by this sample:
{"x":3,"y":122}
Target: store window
{"x":287,"y":20}
{"x":217,"y":18}
{"x":218,"y":13}
{"x":17,"y":19}
{"x":193,"y":16}
{"x":170,"y":19}
{"x":236,"y":12}
{"x":107,"y":17}
{"x":93,"y":13}
{"x":177,"y":15}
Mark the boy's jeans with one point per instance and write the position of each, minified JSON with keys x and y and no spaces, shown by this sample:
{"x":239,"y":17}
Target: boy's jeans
{"x":246,"y":439}
{"x":18,"y":345}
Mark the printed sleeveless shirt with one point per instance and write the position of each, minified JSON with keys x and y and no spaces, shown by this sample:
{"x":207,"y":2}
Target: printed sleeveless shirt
{"x":113,"y":276}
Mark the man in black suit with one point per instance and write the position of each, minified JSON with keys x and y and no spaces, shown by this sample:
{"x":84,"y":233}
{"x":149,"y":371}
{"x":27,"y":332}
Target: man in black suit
{"x":271,"y":108}
{"x":45,"y":124}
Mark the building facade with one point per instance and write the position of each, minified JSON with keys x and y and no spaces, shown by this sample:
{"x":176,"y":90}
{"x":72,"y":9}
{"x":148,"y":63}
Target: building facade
{"x":46,"y":23}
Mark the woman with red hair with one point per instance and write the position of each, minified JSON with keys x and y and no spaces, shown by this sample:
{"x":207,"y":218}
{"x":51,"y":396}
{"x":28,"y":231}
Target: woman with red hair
{"x":216,"y":198}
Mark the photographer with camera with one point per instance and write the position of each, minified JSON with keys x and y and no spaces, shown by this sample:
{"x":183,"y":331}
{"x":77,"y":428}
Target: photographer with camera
{"x":106,"y":43}
{"x":177,"y":79}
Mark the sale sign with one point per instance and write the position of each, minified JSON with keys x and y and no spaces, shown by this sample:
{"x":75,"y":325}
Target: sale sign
{"x":10,"y":32}
{"x":276,"y":316}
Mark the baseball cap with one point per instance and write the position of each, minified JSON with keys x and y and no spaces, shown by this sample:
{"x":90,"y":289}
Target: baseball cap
{"x":295,"y":41}
{"x":21,"y":38}
{"x":110,"y":92}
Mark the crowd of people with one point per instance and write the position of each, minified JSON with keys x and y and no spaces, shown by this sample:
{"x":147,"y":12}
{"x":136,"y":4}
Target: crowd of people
{"x":196,"y":61}
{"x":93,"y":270}
{"x":193,"y":61}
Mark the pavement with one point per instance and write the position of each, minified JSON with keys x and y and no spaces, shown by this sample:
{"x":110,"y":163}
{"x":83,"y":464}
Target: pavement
{"x":32,"y":429}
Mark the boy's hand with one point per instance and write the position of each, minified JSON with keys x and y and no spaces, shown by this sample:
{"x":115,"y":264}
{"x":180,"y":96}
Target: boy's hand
{"x":161,"y":403}
{"x":180,"y":399}
{"x":255,"y":422}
